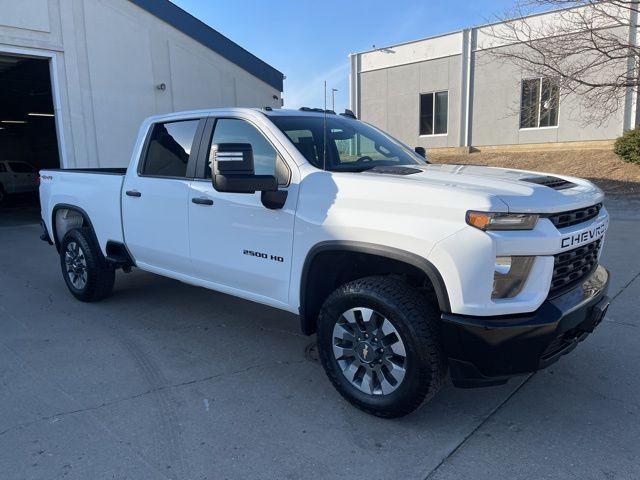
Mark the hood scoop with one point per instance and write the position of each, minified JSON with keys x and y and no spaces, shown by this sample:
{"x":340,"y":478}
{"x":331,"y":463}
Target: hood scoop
{"x":551,"y":182}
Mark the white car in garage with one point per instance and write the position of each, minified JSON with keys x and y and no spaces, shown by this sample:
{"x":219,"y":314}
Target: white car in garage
{"x":16,"y":177}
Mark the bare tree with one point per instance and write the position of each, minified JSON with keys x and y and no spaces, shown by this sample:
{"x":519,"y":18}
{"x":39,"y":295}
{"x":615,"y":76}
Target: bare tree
{"x":585,"y":47}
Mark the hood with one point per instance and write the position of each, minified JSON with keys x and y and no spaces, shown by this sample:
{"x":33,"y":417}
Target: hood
{"x":522,"y":191}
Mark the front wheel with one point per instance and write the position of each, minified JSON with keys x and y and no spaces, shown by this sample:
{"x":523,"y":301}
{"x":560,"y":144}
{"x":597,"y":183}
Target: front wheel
{"x":87,"y":274}
{"x":379,"y":344}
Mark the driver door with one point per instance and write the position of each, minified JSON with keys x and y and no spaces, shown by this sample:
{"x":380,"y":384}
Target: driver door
{"x":235,"y":241}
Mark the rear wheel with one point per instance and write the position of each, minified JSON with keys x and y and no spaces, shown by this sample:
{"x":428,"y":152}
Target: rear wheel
{"x":87,"y":274}
{"x":379,"y":345}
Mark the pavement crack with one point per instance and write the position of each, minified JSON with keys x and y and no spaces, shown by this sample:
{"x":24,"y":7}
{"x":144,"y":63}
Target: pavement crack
{"x":146,"y":392}
{"x":628,"y":284}
{"x":497,"y":408}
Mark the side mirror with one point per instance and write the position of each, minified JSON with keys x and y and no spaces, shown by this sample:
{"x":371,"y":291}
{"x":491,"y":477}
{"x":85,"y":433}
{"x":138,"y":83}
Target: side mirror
{"x":421,"y":151}
{"x":233,"y":171}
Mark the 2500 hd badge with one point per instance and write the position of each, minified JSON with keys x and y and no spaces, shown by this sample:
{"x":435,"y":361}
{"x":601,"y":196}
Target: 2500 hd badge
{"x":576,"y":239}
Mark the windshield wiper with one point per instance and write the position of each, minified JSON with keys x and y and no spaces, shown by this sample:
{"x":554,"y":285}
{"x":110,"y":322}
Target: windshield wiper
{"x":359,"y":169}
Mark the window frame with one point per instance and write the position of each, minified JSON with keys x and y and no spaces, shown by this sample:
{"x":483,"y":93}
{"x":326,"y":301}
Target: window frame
{"x":539,"y":104}
{"x":205,"y":148}
{"x":193,"y":154}
{"x":433,"y":107}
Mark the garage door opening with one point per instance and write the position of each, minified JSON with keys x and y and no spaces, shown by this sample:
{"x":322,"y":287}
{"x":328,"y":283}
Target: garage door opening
{"x":28,"y":138}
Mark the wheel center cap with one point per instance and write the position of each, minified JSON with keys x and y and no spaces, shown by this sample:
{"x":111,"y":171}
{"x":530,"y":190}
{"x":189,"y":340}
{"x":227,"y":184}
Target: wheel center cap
{"x":366,"y":352}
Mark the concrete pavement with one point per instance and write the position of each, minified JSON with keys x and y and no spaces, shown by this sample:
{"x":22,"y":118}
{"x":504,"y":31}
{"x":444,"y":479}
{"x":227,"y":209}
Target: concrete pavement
{"x":165,"y":380}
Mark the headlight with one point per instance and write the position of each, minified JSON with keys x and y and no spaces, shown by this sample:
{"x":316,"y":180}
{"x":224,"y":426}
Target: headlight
{"x":510,"y":276}
{"x":502,"y":221}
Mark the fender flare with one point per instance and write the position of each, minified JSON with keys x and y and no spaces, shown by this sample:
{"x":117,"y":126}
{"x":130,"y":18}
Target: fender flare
{"x":413,"y":259}
{"x":66,"y":206}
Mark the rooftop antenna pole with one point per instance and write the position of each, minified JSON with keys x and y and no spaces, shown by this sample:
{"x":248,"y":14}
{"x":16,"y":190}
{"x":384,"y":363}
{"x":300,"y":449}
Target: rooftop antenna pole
{"x":333,"y":99}
{"x":324,"y":130}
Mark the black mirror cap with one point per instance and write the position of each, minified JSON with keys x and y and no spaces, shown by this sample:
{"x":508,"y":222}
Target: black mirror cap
{"x":232,"y":159}
{"x":421,"y":151}
{"x":242,"y":183}
{"x":274,"y":200}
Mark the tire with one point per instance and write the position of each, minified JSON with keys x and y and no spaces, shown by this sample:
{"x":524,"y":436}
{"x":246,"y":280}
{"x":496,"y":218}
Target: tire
{"x":87,"y":274}
{"x":413,"y":319}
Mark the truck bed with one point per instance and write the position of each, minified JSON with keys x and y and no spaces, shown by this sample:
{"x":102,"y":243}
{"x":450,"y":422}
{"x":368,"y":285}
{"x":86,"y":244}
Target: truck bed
{"x":94,"y":191}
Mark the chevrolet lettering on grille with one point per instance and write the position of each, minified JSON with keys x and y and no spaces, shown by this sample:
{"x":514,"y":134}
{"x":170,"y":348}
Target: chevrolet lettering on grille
{"x":579,"y":238}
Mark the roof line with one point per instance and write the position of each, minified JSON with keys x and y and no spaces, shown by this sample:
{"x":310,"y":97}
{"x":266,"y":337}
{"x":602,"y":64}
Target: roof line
{"x":212,"y":39}
{"x":460,"y":30}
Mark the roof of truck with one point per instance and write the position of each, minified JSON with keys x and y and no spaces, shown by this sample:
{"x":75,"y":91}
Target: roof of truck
{"x":276,"y":112}
{"x":291,"y":112}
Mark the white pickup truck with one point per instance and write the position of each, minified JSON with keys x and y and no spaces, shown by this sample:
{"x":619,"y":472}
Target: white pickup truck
{"x":403,"y":268}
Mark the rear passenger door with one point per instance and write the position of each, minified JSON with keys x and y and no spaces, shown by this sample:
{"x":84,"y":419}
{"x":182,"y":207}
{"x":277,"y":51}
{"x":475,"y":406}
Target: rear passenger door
{"x":155,"y":198}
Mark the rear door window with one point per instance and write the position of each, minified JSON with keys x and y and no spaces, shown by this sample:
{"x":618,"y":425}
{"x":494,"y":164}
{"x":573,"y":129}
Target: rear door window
{"x":169,"y":149}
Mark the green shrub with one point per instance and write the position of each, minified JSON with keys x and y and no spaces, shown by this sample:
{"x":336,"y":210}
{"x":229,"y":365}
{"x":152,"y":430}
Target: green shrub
{"x":627,"y":146}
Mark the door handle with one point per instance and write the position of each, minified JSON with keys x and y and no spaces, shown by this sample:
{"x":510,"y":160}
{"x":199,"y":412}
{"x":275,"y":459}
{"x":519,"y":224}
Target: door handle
{"x":133,"y":193}
{"x":202,"y":201}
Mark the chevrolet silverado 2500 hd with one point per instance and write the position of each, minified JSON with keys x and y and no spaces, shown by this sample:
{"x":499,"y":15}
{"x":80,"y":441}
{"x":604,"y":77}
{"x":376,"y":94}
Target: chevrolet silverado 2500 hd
{"x":404,"y":269}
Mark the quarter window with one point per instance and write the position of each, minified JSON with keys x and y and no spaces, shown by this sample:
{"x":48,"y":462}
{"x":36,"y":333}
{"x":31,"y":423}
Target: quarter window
{"x":539,"y":101}
{"x":266,"y":160}
{"x":434,"y":113}
{"x":169,"y":149}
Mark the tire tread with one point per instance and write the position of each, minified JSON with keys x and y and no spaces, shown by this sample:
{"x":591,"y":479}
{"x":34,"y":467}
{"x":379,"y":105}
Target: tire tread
{"x":423,"y":316}
{"x":100,"y":275}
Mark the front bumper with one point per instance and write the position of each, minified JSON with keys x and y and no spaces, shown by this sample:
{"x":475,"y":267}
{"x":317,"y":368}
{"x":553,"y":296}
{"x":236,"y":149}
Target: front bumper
{"x":488,"y":350}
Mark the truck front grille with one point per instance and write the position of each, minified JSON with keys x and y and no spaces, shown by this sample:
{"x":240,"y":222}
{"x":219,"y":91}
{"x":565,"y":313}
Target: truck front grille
{"x":573,"y":217}
{"x":571,"y":267}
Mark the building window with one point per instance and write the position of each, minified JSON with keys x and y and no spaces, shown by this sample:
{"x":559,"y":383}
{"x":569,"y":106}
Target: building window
{"x":539,"y":101}
{"x":434,"y":113}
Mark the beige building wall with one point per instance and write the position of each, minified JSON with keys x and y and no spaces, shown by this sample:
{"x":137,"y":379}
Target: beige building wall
{"x":484,"y":93}
{"x":108,"y":61}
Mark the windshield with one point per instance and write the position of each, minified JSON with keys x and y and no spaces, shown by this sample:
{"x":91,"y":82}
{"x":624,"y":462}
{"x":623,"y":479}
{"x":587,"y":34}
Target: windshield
{"x":352,"y":146}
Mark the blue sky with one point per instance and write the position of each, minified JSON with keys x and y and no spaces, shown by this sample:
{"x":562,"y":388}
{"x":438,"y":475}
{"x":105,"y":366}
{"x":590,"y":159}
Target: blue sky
{"x":309,"y":41}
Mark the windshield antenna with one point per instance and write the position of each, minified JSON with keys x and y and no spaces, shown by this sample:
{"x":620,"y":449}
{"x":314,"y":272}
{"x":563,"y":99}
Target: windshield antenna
{"x":324,"y":129}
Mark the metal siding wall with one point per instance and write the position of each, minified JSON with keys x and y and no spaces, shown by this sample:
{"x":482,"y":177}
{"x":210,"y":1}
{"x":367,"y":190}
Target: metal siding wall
{"x":386,"y":92}
{"x":496,"y":110}
{"x":110,"y":56}
{"x":390,"y":99}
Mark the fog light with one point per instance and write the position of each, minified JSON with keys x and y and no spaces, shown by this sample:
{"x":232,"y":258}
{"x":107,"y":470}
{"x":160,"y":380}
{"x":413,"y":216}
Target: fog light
{"x":503,"y":265}
{"x":510,"y":276}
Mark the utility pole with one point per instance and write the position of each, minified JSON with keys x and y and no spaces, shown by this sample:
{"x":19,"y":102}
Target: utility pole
{"x":333,"y":99}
